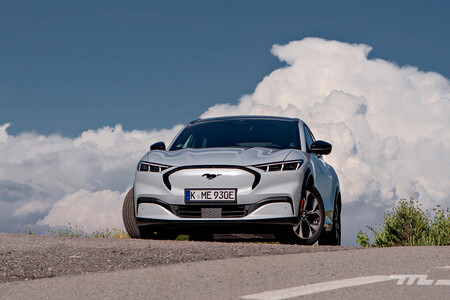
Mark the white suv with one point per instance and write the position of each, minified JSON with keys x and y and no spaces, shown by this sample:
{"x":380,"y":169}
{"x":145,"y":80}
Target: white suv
{"x":237,"y":175}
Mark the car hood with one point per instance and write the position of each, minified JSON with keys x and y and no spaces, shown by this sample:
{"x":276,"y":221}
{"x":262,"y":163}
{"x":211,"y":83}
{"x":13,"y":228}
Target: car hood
{"x":217,"y":156}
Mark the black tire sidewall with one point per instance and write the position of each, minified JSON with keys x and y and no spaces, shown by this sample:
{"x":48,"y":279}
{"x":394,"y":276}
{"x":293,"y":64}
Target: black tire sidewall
{"x":330,"y":237}
{"x":288,"y":236}
{"x":129,"y":216}
{"x":313,"y":190}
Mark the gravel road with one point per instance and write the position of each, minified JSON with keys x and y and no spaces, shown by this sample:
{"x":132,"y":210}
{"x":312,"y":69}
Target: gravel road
{"x":26,"y":257}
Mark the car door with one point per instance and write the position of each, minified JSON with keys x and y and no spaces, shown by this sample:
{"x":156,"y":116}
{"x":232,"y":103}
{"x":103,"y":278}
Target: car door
{"x":322,"y":175}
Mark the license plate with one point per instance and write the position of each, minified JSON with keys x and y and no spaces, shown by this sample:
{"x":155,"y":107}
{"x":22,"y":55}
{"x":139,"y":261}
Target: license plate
{"x":223,"y":195}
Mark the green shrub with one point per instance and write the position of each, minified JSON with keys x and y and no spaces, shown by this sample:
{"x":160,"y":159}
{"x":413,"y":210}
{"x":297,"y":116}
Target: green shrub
{"x":362,"y":239}
{"x":408,"y":225}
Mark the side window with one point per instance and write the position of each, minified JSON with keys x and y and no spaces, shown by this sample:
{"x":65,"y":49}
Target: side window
{"x":309,"y":138}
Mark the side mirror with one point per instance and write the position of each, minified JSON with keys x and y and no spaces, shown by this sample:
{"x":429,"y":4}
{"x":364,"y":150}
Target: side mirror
{"x":320,"y":147}
{"x":158,"y":146}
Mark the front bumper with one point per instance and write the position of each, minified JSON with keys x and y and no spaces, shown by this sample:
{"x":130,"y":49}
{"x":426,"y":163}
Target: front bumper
{"x":277,"y":207}
{"x":220,"y":226}
{"x":265,"y":200}
{"x":264,"y":216}
{"x":252,"y":184}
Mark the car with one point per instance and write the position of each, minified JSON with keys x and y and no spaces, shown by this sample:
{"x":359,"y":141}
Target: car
{"x":238,"y":174}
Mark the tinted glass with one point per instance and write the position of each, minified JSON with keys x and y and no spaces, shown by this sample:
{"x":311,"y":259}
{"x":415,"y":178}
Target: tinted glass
{"x":308,"y":138}
{"x":239,"y":133}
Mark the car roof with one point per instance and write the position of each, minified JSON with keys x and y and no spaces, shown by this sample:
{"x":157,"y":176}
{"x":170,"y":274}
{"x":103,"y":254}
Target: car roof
{"x":218,"y":119}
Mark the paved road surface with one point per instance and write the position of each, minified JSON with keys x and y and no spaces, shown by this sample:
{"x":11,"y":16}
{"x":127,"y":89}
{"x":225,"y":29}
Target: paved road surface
{"x":25,"y":257}
{"x":178,"y":270}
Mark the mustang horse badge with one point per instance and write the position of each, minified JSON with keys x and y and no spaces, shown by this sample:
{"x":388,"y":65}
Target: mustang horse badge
{"x":211,"y":176}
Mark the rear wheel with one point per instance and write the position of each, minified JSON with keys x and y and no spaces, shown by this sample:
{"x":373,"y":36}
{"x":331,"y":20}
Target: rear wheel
{"x":333,"y":237}
{"x":311,"y":219}
{"x":144,"y":232}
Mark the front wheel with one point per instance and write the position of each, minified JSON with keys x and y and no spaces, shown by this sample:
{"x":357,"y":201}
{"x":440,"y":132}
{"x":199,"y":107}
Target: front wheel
{"x":129,"y":217}
{"x":311,"y":219}
{"x":141,"y":232}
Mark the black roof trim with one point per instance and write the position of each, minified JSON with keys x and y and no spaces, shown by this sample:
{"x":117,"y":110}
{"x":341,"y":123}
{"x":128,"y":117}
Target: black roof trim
{"x":274,"y":118}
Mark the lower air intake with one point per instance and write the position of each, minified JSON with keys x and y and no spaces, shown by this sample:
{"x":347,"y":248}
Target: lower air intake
{"x":211,"y":212}
{"x":217,"y":211}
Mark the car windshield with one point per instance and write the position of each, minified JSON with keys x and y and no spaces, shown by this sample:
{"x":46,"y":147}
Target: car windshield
{"x":244,"y":133}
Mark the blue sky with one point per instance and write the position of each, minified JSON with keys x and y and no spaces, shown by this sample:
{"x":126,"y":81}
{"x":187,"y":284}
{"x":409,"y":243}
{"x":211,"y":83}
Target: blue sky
{"x":75,"y":67}
{"x":68,"y":66}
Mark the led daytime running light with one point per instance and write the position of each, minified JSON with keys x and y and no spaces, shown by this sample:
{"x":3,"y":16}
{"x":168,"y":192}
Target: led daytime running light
{"x":151,"y":167}
{"x":281,"y":166}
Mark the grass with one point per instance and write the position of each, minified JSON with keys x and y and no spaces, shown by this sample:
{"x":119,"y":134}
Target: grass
{"x":79,"y":232}
{"x":75,"y":232}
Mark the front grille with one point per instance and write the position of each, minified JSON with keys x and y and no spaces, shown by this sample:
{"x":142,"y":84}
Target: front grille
{"x":200,"y":211}
{"x":207,"y":168}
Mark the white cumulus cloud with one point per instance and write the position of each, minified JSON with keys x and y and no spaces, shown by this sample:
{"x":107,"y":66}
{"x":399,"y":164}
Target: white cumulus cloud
{"x":93,"y":210}
{"x":38,"y":173}
{"x":389,"y":126}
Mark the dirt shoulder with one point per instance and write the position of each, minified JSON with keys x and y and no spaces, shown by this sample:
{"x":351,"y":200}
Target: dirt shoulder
{"x":26,"y":257}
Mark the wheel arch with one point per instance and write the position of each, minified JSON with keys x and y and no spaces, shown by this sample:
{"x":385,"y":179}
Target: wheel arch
{"x":308,"y":180}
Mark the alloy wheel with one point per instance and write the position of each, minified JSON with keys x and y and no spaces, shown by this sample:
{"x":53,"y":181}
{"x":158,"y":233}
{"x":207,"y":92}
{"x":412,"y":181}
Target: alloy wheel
{"x":310,"y":217}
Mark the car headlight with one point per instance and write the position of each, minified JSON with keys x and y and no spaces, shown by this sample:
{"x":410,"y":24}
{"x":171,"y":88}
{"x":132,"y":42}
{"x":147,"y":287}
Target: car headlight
{"x":144,"y":166}
{"x":291,"y":165}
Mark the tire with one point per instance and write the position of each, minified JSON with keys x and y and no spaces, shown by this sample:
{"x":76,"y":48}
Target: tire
{"x":311,"y":219}
{"x":141,"y":232}
{"x":129,"y":217}
{"x":333,"y":237}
